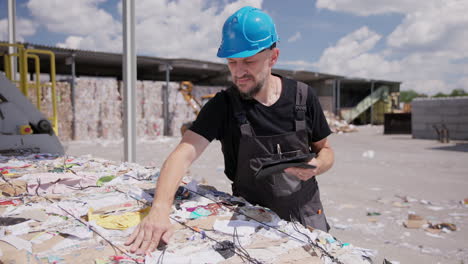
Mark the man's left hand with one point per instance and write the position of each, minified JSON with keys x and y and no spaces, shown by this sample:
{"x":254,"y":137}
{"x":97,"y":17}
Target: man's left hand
{"x":304,"y":174}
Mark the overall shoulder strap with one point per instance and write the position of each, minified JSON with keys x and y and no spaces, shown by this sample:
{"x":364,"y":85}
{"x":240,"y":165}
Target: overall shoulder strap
{"x":301,"y":105}
{"x":239,"y":112}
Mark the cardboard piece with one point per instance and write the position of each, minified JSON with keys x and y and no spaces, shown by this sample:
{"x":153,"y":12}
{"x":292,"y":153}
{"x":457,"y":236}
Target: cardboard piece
{"x":415,"y":221}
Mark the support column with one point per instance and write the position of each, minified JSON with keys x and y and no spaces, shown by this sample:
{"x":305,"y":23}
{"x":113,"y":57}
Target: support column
{"x":129,"y":80}
{"x":334,"y":97}
{"x":71,"y":61}
{"x":165,"y":98}
{"x":12,"y":36}
{"x":338,"y":98}
{"x":372,"y":106}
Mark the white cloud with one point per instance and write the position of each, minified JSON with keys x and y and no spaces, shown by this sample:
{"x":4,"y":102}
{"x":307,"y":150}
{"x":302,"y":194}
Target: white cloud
{"x":349,"y":47}
{"x":86,"y":24}
{"x":297,"y":64}
{"x":441,"y":26}
{"x":72,"y":42}
{"x":423,"y":71}
{"x":24,"y":28}
{"x":430,"y":40}
{"x":190,"y":29}
{"x":78,"y":17}
{"x":372,"y":7}
{"x":351,"y":56}
{"x":297,"y":36}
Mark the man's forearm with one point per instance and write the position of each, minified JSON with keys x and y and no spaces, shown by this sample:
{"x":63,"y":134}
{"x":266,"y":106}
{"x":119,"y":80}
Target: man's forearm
{"x":172,"y":172}
{"x":174,"y":168}
{"x":325,"y":158}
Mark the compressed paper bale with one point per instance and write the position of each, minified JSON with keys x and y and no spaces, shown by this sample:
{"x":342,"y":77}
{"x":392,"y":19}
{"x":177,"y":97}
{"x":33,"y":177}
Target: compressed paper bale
{"x":110,"y":120}
{"x":93,"y":130}
{"x":153,"y":110}
{"x":65,"y":130}
{"x":107,"y":89}
{"x":140,"y":99}
{"x":64,"y":110}
{"x":87,"y":109}
{"x":85,"y":88}
{"x":152,"y":90}
{"x":86,"y":130}
{"x":154,"y":128}
{"x":81,"y":130}
{"x":110,"y":111}
{"x":110,"y":131}
{"x":99,"y":108}
{"x":141,"y":130}
{"x":140,"y":114}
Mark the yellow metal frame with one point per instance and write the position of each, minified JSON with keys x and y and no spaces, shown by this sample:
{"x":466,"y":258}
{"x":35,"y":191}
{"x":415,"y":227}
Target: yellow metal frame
{"x":186,"y":90}
{"x":23,"y":55}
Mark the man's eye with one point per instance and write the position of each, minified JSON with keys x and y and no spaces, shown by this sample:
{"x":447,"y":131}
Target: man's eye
{"x":249,"y":62}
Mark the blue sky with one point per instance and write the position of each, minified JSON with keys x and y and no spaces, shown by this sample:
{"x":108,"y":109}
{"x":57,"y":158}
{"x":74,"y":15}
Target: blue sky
{"x":419,"y":42}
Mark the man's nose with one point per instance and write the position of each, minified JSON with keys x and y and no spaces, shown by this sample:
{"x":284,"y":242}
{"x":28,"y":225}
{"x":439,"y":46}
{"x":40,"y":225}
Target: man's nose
{"x":240,"y":69}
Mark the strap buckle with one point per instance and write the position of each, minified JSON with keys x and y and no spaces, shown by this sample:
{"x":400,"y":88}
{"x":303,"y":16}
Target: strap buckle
{"x":300,"y":112}
{"x":301,"y":108}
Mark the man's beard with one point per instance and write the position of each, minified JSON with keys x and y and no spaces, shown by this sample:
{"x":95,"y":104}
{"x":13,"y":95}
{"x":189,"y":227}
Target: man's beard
{"x":254,"y":91}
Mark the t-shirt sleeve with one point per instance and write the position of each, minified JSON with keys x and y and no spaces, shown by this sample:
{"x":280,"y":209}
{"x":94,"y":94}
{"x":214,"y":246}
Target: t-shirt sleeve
{"x":317,"y":125}
{"x":210,"y":119}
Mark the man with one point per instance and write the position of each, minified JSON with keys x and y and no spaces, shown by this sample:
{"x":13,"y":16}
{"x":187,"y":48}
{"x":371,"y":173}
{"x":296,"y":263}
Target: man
{"x":263,"y":119}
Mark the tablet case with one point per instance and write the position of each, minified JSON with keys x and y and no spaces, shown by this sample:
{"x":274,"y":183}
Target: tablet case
{"x":274,"y":166}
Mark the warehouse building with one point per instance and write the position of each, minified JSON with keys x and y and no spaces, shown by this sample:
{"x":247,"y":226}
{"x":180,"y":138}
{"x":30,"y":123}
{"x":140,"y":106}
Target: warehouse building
{"x":361,"y":101}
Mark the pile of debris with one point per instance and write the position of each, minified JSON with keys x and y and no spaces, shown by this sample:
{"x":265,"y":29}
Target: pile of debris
{"x":59,"y":209}
{"x":338,"y":125}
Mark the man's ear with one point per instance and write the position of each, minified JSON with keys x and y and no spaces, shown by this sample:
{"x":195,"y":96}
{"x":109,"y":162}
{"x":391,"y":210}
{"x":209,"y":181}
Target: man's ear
{"x":274,"y":56}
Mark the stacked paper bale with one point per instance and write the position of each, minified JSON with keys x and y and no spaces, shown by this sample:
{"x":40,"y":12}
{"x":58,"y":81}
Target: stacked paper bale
{"x":86,"y":109}
{"x":99,"y":108}
{"x":152,"y":116}
{"x":110,"y":109}
{"x":140,"y":101}
{"x":64,"y":110}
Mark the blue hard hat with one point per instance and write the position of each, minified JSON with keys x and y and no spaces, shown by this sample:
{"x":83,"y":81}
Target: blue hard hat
{"x":247,"y":32}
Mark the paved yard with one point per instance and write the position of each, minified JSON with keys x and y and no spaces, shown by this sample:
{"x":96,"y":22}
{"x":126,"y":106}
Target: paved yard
{"x":392,"y":175}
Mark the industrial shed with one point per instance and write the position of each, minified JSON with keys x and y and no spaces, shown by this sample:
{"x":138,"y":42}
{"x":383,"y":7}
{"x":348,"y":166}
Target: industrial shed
{"x":357,"y":100}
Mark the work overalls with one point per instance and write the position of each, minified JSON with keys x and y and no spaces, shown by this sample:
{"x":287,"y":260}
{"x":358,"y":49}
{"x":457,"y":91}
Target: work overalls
{"x":288,"y":196}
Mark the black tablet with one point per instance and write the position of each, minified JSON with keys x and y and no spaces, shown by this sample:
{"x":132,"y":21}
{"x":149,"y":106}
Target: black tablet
{"x":276,"y":166}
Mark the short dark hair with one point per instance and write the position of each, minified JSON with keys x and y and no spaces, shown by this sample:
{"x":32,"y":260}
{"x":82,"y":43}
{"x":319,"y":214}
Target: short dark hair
{"x":270,"y":48}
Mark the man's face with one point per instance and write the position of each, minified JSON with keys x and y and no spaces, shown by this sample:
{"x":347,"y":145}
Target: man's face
{"x":249,"y":74}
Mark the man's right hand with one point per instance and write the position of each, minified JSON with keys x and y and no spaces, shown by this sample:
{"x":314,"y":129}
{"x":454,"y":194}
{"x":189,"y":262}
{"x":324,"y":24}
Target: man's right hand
{"x":153,"y":229}
{"x":156,"y":225}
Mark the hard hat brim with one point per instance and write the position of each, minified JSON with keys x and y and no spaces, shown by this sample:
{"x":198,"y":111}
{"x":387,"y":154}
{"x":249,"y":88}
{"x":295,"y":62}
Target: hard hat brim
{"x":242,"y":54}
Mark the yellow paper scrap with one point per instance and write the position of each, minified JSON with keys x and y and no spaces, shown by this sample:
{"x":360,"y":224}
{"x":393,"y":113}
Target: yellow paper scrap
{"x":119,"y":222}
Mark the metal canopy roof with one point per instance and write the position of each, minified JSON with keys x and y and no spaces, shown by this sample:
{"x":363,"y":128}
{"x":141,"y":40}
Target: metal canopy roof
{"x":106,"y":64}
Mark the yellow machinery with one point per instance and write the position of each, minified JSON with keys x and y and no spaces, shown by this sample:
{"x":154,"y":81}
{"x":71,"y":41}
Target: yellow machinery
{"x":23,"y":127}
{"x":186,"y":89}
{"x":23,"y":55}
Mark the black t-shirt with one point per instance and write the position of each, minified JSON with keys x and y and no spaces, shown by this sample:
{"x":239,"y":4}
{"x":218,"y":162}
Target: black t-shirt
{"x":216,"y":120}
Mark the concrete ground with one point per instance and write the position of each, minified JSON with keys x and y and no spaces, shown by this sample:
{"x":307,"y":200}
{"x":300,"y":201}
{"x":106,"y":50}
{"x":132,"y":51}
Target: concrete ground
{"x":392,"y":175}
